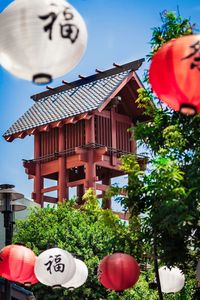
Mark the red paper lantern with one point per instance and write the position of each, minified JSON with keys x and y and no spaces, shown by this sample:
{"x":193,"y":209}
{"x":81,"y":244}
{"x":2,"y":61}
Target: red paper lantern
{"x":118,"y":271}
{"x":17,"y":264}
{"x":175,"y":74}
{"x":32,"y":280}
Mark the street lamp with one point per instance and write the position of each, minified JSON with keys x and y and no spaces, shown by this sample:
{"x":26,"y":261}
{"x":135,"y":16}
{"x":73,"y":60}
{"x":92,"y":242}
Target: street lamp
{"x":8,"y":204}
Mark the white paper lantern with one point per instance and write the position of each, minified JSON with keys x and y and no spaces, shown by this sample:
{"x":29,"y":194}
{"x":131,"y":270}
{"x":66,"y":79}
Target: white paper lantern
{"x":41,"y":39}
{"x":79,"y":277}
{"x":54,"y":267}
{"x":171,"y":280}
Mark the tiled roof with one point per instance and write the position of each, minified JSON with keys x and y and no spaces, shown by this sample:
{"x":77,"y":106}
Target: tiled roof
{"x":78,"y":97}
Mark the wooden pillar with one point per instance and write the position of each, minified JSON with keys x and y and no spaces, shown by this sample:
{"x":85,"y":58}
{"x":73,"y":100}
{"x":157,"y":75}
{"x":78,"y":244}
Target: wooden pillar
{"x":133,"y":142}
{"x":113,"y":136}
{"x":62,"y":188}
{"x":90,"y":166}
{"x":90,"y":131}
{"x":106,"y":204}
{"x":90,"y":171}
{"x":38,"y":180}
{"x":80,"y":193}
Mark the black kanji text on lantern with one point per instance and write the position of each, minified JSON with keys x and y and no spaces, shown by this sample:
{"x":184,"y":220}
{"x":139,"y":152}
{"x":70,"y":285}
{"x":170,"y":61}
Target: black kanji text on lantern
{"x":68,"y":30}
{"x":55,"y":264}
{"x":195,"y":54}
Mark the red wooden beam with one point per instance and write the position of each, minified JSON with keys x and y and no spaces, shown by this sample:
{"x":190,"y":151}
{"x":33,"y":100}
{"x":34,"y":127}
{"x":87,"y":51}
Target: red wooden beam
{"x":101,"y":187}
{"x":48,"y":168}
{"x":51,"y":167}
{"x":82,"y":154}
{"x":38,"y":179}
{"x":75,"y":183}
{"x":118,"y":117}
{"x":90,"y":131}
{"x":90,"y":170}
{"x":9,"y":138}
{"x":21,"y":135}
{"x":56,"y":124}
{"x":44,"y":128}
{"x":70,"y":120}
{"x":113,"y":136}
{"x":62,"y":192}
{"x":49,"y":189}
{"x":99,"y":153}
{"x":29,"y":168}
{"x":31,"y":131}
{"x":82,"y":116}
{"x":104,"y":113}
{"x":50,"y":199}
{"x":106,"y":164}
{"x":89,"y":116}
{"x":85,"y":153}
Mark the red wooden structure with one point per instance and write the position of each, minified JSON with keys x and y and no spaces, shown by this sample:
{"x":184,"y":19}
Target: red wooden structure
{"x":80,"y":132}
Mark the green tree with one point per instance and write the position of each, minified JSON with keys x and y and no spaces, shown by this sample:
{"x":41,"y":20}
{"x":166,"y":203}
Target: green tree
{"x":90,"y":233}
{"x":166,"y":195}
{"x":174,"y":144}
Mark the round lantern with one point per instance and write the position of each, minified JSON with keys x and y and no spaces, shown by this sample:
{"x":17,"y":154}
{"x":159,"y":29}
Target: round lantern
{"x":54,"y":267}
{"x":118,"y":271}
{"x":17,"y":264}
{"x":32,"y":280}
{"x":79,"y":277}
{"x":41,"y":40}
{"x":175,"y":74}
{"x":171,"y":280}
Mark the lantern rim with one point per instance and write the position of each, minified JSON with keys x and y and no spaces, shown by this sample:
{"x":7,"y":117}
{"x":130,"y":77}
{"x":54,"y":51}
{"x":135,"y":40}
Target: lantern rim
{"x":42,"y":78}
{"x":28,"y":283}
{"x":56,"y":286}
{"x":188,"y":109}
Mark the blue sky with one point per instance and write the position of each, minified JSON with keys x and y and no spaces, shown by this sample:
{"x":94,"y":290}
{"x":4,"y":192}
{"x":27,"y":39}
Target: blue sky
{"x":118,"y":31}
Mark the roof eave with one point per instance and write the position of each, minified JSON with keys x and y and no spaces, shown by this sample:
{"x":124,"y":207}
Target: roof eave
{"x":134,"y":66}
{"x":46,"y":127}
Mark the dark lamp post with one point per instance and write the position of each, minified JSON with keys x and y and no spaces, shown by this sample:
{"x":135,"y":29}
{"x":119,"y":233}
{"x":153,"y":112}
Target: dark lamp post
{"x":8,"y":204}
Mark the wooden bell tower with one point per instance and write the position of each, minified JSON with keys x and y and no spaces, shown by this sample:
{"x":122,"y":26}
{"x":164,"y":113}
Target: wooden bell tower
{"x":80,"y":131}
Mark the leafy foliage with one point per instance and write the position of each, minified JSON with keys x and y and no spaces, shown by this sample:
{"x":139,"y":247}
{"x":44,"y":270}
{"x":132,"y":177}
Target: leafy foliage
{"x":166,"y":196}
{"x":90,"y":233}
{"x":172,"y":136}
{"x":172,"y":27}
